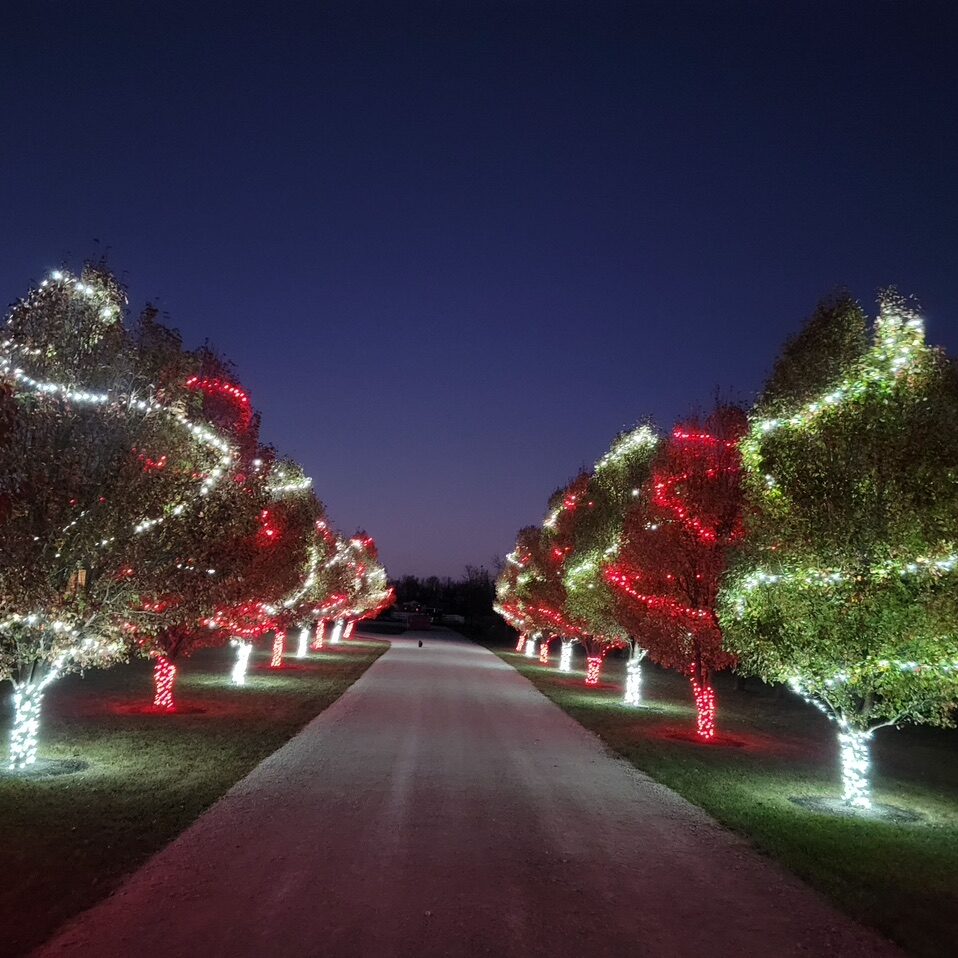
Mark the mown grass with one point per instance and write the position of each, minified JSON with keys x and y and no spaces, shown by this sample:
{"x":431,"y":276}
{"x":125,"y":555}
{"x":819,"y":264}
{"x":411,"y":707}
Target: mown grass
{"x":66,"y":842}
{"x":902,"y":879}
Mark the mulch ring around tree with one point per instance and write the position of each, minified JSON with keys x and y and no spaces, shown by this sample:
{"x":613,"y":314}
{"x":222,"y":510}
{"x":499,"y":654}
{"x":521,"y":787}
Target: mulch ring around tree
{"x":45,"y":768}
{"x":878,"y":812}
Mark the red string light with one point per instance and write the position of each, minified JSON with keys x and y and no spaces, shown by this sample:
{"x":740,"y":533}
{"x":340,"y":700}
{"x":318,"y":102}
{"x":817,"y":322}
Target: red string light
{"x":214,"y":387}
{"x":544,"y":652}
{"x":593,"y":667}
{"x":658,"y":603}
{"x":164,"y":675}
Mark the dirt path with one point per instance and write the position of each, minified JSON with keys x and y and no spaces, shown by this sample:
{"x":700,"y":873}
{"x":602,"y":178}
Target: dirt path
{"x":443,"y":807}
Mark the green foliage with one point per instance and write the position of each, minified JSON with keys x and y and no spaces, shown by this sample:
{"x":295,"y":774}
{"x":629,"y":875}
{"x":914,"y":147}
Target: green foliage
{"x":846,"y":581}
{"x":597,"y":531}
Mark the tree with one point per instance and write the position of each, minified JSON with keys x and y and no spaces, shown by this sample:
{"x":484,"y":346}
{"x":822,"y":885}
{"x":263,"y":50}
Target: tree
{"x":675,"y":549}
{"x":279,"y":578}
{"x":98,"y":464}
{"x":845,"y":587}
{"x":597,"y":537}
{"x":364,"y":583}
{"x":194,"y":568}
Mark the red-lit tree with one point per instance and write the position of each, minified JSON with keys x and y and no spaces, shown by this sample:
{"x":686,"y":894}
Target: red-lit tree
{"x":197,"y":567}
{"x":359,"y":582}
{"x":282,"y":571}
{"x":676,"y":545}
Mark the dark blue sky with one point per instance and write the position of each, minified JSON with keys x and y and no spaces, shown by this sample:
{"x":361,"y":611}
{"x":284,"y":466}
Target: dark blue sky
{"x":455,"y":247}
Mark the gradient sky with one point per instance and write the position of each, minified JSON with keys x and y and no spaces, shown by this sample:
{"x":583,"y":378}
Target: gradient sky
{"x":455,"y":247}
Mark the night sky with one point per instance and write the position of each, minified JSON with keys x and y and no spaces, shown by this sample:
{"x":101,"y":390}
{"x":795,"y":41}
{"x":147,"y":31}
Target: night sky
{"x":453,"y":248}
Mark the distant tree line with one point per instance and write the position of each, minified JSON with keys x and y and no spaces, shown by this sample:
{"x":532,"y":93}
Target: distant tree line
{"x":470,"y":596}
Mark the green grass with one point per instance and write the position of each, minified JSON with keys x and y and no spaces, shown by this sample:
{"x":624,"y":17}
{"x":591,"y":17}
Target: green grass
{"x":901,"y":879}
{"x":67,"y":842}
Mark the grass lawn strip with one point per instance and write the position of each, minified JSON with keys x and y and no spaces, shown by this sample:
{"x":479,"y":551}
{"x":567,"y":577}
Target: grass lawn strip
{"x":900,"y":879}
{"x":67,"y":842}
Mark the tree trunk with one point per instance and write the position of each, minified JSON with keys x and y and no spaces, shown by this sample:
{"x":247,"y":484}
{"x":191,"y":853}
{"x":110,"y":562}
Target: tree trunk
{"x":164,"y":675}
{"x":531,"y":647}
{"x":243,"y":650}
{"x":279,"y":647}
{"x":565,"y":656}
{"x":337,"y":632}
{"x":705,"y":709}
{"x":593,"y":667}
{"x":320,"y":635}
{"x":303,"y":642}
{"x":521,"y":642}
{"x":544,"y":652}
{"x":27,"y":701}
{"x":633,"y":677}
{"x":856,"y":788}
{"x":348,"y":631}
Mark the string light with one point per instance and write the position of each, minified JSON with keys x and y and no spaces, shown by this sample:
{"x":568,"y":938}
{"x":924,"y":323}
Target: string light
{"x":279,"y":646}
{"x":303,"y":648}
{"x":626,"y":446}
{"x":337,"y":632}
{"x":319,"y":636}
{"x":24,"y":736}
{"x":530,"y":650}
{"x":544,"y":652}
{"x":241,"y":665}
{"x":565,"y":656}
{"x":164,"y":675}
{"x":705,"y":710}
{"x":593,"y":667}
{"x":633,"y":677}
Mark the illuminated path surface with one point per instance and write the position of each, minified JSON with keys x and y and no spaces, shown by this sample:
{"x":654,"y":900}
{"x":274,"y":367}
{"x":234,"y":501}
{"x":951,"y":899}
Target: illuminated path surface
{"x":444,"y":807}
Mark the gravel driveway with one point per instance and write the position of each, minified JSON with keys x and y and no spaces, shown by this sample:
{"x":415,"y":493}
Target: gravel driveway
{"x":443,"y":807}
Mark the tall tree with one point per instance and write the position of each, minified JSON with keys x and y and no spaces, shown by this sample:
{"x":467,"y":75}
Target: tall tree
{"x":99,"y":463}
{"x":845,"y":588}
{"x":675,"y":549}
{"x":597,"y":537}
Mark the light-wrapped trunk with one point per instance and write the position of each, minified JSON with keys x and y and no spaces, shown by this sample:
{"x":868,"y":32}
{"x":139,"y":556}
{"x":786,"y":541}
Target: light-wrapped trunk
{"x":565,"y":656}
{"x":303,"y":646}
{"x":544,"y":652}
{"x":279,"y":647}
{"x":319,"y":636}
{"x":337,"y":632}
{"x":705,"y":710}
{"x":27,"y":701}
{"x":521,"y":642}
{"x":348,"y":631}
{"x":856,"y":787}
{"x":633,"y":677}
{"x":593,"y":666}
{"x":531,"y":647}
{"x":164,"y":675}
{"x":241,"y":665}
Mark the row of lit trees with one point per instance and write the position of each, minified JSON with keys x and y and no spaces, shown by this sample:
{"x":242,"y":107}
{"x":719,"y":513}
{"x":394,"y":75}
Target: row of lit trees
{"x":139,"y":511}
{"x":812,"y":541}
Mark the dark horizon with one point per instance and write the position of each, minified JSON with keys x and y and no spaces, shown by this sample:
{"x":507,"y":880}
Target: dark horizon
{"x":454,"y":248}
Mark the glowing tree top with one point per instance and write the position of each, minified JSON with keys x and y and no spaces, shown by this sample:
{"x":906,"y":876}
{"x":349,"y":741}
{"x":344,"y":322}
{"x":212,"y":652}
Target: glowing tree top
{"x":597,"y":531}
{"x":846,"y":585}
